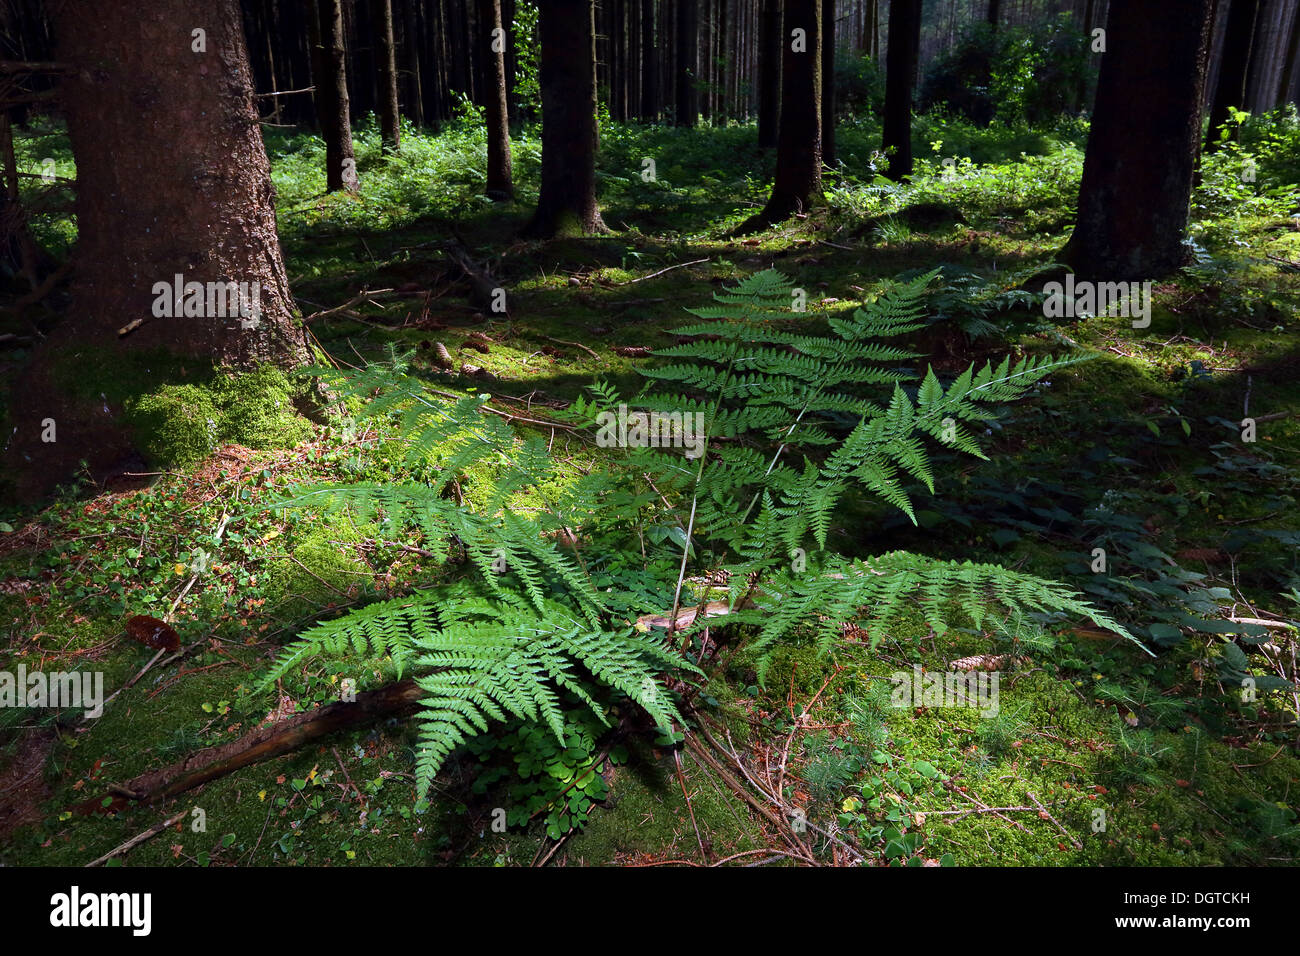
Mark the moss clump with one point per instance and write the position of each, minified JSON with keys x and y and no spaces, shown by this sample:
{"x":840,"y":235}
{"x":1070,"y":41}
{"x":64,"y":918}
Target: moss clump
{"x":177,"y":425}
{"x":258,"y":409}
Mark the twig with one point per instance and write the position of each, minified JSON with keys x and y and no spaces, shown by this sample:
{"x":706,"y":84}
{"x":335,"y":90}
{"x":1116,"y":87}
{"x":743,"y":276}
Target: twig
{"x":1043,"y":809}
{"x":680,"y":265}
{"x":139,"y":838}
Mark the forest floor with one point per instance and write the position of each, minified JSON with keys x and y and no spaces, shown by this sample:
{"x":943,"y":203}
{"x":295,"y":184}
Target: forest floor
{"x":1099,"y":755}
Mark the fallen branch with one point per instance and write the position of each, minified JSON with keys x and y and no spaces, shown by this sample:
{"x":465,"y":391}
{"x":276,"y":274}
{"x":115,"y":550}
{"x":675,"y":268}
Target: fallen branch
{"x":265,"y":743}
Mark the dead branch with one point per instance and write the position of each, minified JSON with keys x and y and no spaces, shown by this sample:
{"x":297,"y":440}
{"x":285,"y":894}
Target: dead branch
{"x":264,"y":743}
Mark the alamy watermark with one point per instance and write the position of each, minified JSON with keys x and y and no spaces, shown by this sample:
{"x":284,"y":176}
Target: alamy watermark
{"x":60,"y":689}
{"x":212,"y":300}
{"x":625,"y":429}
{"x":1072,"y":300}
{"x":974,"y":689}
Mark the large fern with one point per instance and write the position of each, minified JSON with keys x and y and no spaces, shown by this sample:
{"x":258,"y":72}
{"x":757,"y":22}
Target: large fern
{"x":798,"y":411}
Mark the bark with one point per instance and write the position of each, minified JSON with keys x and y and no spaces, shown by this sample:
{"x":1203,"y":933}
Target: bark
{"x":390,"y":128}
{"x":172,"y":179}
{"x":798,"y":182}
{"x":567,"y":202}
{"x":769,"y":74}
{"x":994,"y":13}
{"x":828,"y":82}
{"x":900,"y":75}
{"x":1231,"y":89}
{"x":688,"y":66}
{"x":329,"y":72}
{"x":1142,"y":148}
{"x":500,"y":185}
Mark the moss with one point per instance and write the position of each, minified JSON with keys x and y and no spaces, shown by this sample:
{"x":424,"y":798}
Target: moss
{"x":647,"y":815}
{"x":258,"y":409}
{"x":177,"y":425}
{"x":319,"y":568}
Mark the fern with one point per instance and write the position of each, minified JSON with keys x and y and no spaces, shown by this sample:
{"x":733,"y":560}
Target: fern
{"x":798,"y":413}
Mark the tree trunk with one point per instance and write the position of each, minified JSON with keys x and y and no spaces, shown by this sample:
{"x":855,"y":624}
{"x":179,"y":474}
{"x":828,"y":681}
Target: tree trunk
{"x":1230,"y":91}
{"x":828,"y":82}
{"x":798,"y":182}
{"x":329,"y":72}
{"x":390,"y":129}
{"x":900,"y":74}
{"x":411,"y":40}
{"x":567,"y":202}
{"x":1264,"y":71}
{"x":500,"y":185}
{"x":649,"y":63}
{"x":994,"y":13}
{"x":769,"y":74}
{"x":688,"y":56}
{"x":172,"y":180}
{"x":1146,"y":129}
{"x":1290,"y":71}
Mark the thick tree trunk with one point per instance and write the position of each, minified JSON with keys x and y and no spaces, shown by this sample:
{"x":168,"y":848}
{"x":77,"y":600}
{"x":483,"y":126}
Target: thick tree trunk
{"x":1146,"y":129}
{"x":688,"y":68}
{"x":828,"y":82}
{"x":994,"y":13}
{"x":390,"y":128}
{"x":769,"y":74}
{"x":172,"y":181}
{"x":329,"y":73}
{"x":900,"y":75}
{"x":500,"y":185}
{"x":1230,"y":91}
{"x":567,"y":202}
{"x":798,"y":182}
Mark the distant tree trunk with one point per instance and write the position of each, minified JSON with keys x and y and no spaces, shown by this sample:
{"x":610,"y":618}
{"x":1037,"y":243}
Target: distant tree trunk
{"x":500,"y":185}
{"x":567,"y":202}
{"x":411,"y":40}
{"x":1290,"y":70}
{"x":798,"y":182}
{"x":900,"y":74}
{"x":994,"y":13}
{"x":329,"y":72}
{"x":769,"y":73}
{"x":871,"y":29}
{"x":688,"y":63}
{"x":1146,"y":130}
{"x":1230,"y":91}
{"x":649,"y":63}
{"x":1265,"y":71}
{"x":828,"y":82}
{"x":390,"y":129}
{"x":172,"y":180}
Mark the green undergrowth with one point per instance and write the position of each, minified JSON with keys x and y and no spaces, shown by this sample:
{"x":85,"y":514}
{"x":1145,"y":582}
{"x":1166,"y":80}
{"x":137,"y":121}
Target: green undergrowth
{"x":1139,"y":452}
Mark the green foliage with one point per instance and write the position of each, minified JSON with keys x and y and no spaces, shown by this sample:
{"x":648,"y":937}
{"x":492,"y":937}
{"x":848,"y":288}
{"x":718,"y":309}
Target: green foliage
{"x":1015,"y":75}
{"x":524,"y":622}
